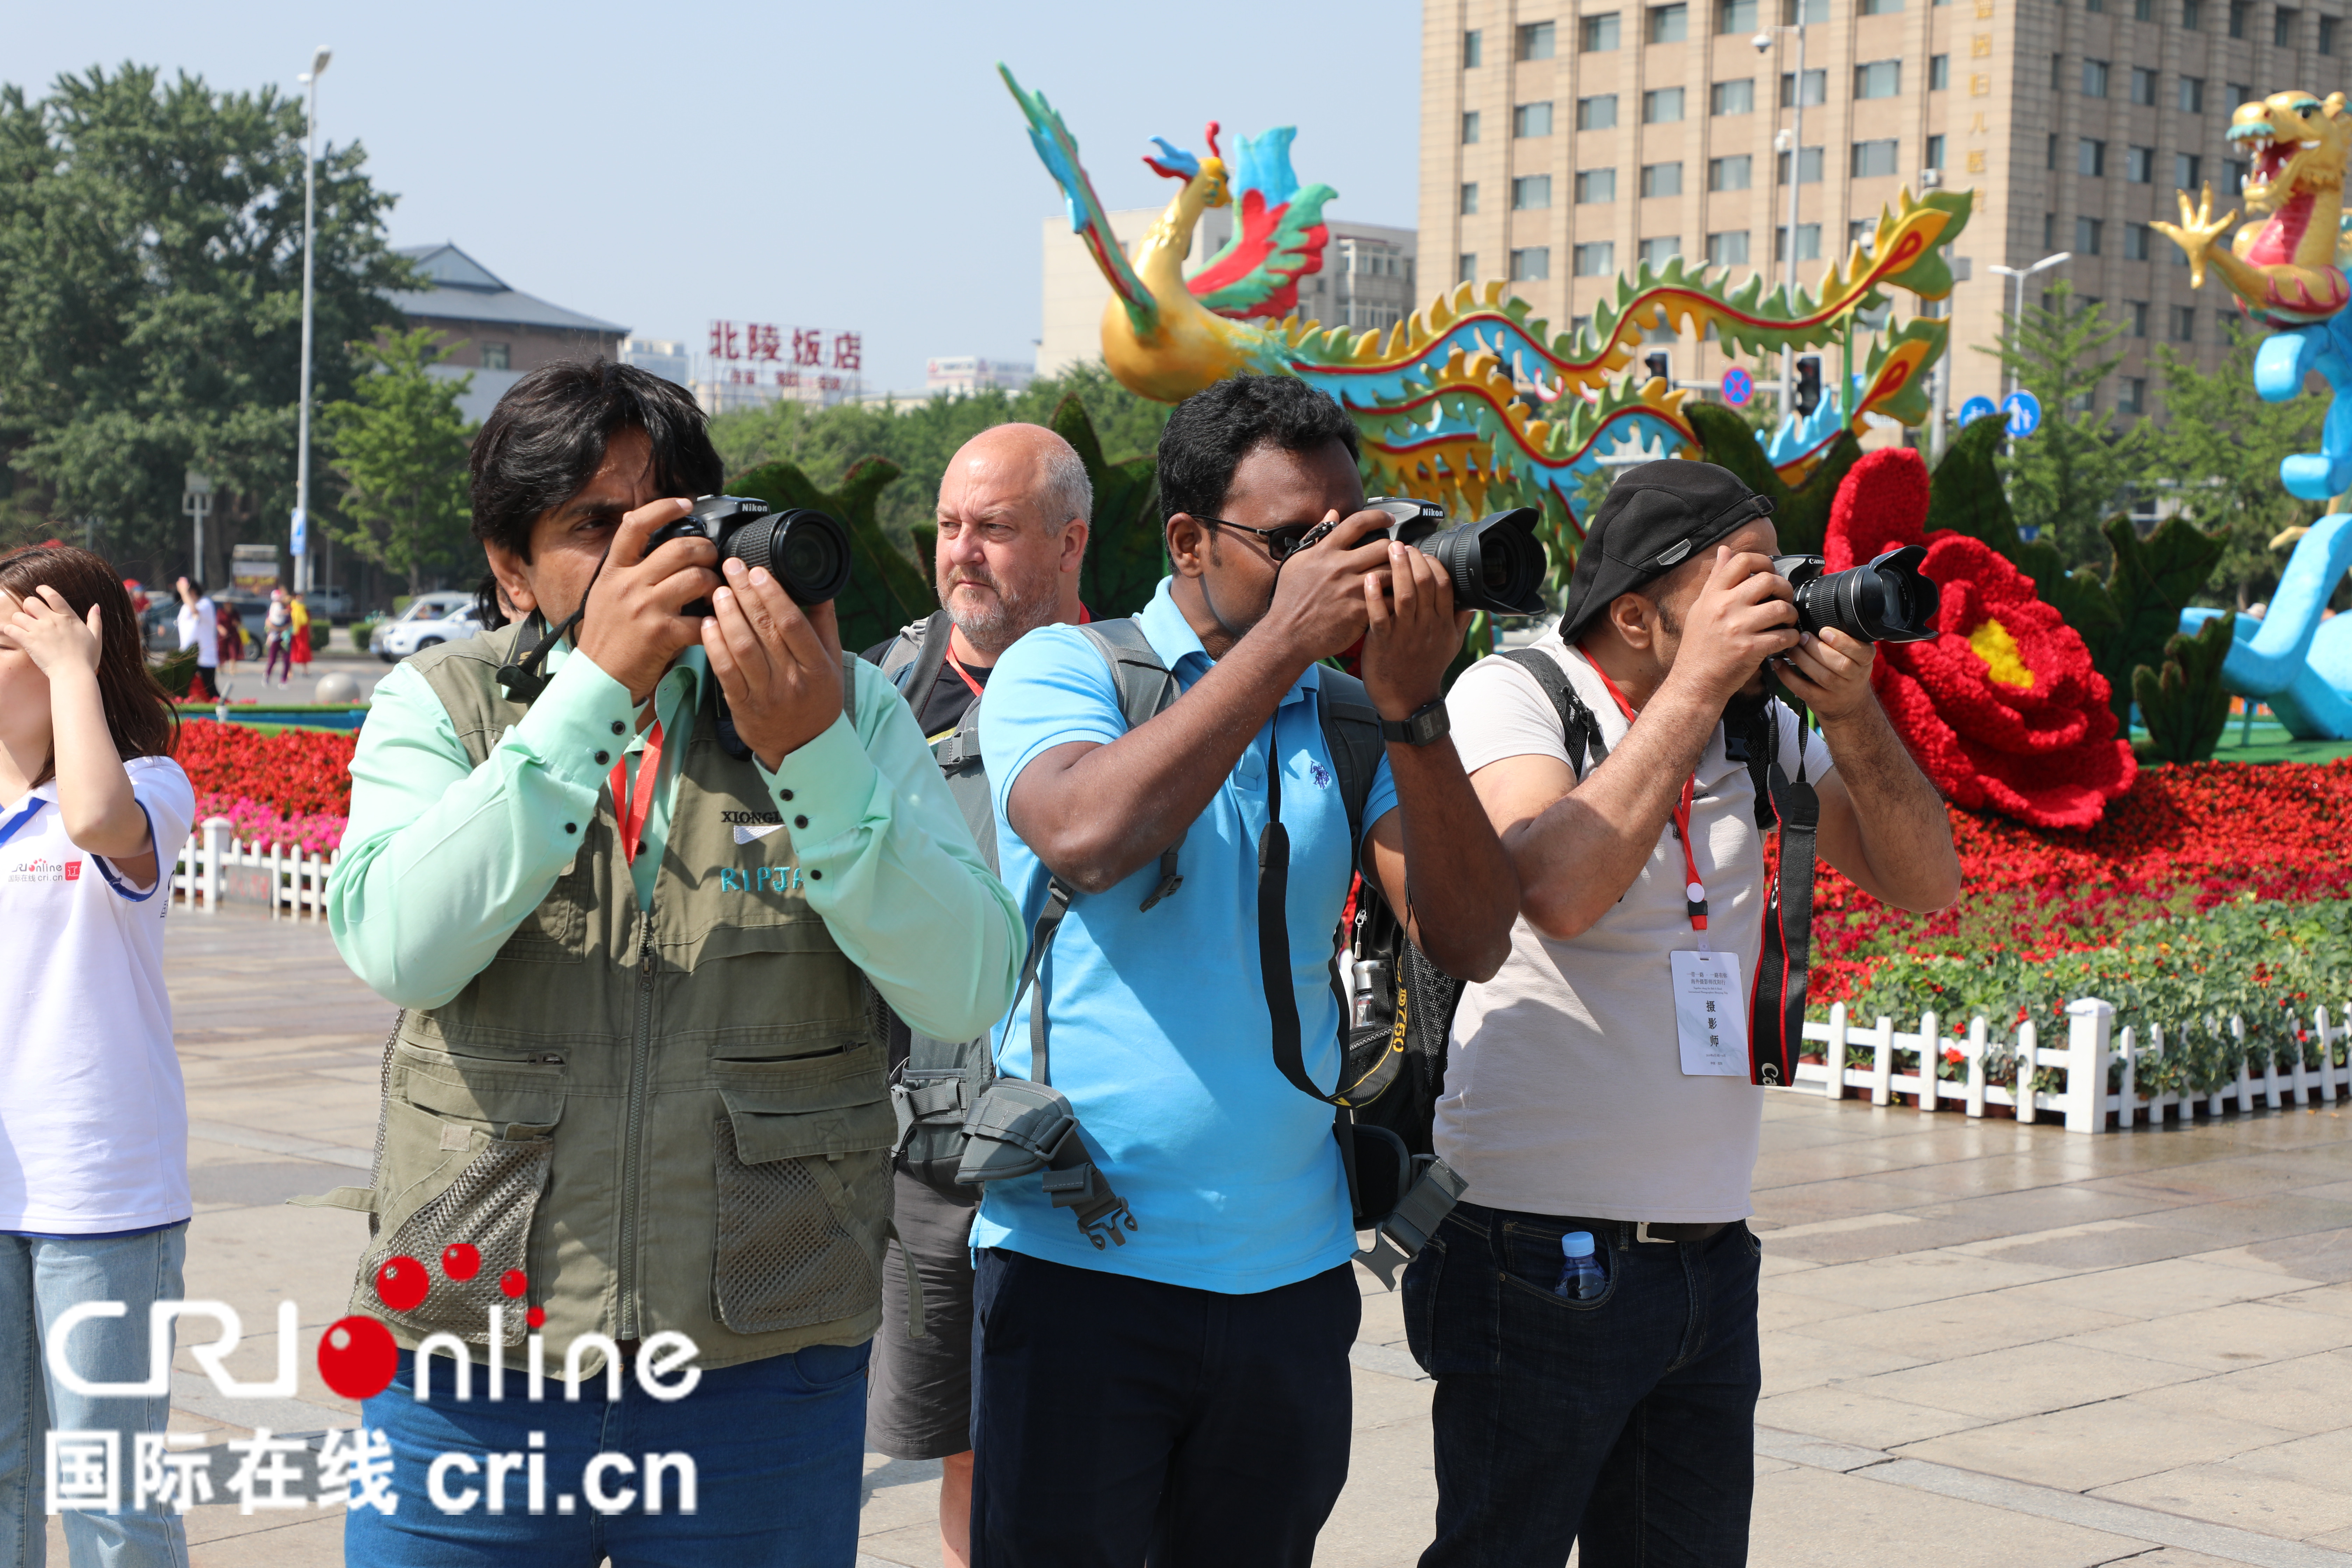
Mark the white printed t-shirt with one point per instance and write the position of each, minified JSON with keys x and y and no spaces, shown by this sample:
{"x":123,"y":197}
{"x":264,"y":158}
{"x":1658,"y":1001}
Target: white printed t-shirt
{"x":1564,"y":1088}
{"x":199,"y":626}
{"x":93,"y":1116}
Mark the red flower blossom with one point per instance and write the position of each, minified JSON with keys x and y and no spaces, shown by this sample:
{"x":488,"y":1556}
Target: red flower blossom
{"x":2001,"y":708}
{"x":297,"y":772}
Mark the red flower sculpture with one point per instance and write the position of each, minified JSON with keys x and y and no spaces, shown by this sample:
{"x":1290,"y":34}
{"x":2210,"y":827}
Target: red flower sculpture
{"x":2001,"y":707}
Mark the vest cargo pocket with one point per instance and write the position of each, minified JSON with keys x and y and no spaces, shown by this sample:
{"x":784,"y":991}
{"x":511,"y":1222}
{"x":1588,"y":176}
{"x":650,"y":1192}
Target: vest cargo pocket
{"x":443,"y":1180}
{"x":557,"y":931}
{"x":803,"y":1195}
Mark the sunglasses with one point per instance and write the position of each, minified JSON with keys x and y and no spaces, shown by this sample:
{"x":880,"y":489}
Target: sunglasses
{"x":1281,"y":543}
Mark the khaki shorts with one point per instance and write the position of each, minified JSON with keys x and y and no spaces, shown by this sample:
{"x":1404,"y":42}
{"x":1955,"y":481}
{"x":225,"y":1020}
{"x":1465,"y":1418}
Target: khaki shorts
{"x":918,"y":1404}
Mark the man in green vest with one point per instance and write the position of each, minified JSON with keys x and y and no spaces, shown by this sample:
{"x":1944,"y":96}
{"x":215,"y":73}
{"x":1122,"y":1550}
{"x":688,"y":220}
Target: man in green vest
{"x":636,"y":1125}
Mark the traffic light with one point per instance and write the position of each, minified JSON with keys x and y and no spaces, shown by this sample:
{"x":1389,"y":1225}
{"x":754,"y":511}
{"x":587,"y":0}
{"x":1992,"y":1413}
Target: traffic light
{"x":1661,"y":365}
{"x":1809,"y":384}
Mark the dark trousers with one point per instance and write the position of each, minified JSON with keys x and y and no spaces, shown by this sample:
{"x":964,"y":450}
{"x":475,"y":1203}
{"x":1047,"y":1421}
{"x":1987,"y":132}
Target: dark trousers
{"x":1626,"y":1423}
{"x":1120,"y":1421}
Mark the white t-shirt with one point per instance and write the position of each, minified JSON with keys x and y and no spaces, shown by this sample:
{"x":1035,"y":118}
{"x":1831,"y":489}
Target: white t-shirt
{"x":93,"y":1116}
{"x":200,"y":628}
{"x":1564,"y":1088}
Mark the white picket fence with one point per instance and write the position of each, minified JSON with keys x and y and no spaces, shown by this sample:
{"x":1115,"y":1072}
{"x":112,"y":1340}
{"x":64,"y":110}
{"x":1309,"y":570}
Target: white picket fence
{"x":2091,"y":1048}
{"x":212,"y":868}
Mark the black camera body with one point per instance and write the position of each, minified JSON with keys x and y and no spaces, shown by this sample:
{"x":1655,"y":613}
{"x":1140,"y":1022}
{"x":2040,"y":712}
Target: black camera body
{"x":1495,"y":564}
{"x":1888,"y":600}
{"x":805,"y":551}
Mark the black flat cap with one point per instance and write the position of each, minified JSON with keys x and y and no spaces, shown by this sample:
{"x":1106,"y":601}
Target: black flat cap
{"x":1657,"y":516}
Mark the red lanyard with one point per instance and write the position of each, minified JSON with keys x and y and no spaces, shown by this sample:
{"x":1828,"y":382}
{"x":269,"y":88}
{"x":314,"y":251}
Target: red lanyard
{"x":633,"y":813}
{"x":1694,"y":890}
{"x":957,"y":665}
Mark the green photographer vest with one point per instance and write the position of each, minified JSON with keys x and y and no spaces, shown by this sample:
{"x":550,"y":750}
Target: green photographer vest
{"x":674,"y":1119}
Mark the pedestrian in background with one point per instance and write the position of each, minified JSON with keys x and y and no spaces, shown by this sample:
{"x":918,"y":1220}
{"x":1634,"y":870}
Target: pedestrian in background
{"x":94,"y":1202}
{"x":300,"y":652}
{"x":232,"y":637}
{"x":278,"y":637}
{"x":200,"y":629}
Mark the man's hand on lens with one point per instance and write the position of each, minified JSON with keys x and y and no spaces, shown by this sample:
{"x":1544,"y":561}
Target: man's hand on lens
{"x":1746,"y":613}
{"x":779,"y":664}
{"x":1413,"y":632}
{"x":637,"y":625}
{"x":1320,"y":594}
{"x":1830,"y":673}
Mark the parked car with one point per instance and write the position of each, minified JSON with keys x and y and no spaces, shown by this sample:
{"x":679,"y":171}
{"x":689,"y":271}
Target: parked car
{"x":430,"y":620}
{"x":159,"y":627}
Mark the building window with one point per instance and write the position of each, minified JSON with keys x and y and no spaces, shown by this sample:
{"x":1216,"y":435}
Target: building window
{"x":1577,"y":326}
{"x":1733,"y":96}
{"x":1728,"y":249}
{"x":2143,"y":10}
{"x":1656,"y":253}
{"x":2184,"y":323}
{"x":1596,"y":34}
{"x":1595,"y":185}
{"x":1935,"y":159}
{"x":2091,"y":158}
{"x":2237,"y":18}
{"x":2187,"y":170}
{"x":1878,"y":79}
{"x":2095,"y":4}
{"x":1470,"y":198}
{"x":1465,"y":268}
{"x":2192,"y":95}
{"x":2134,"y":394}
{"x":1470,"y":50}
{"x":1736,"y":16}
{"x":1809,"y":168}
{"x":1469,"y":126}
{"x":1669,"y":24}
{"x":495,"y":356}
{"x":2049,"y":231}
{"x":2095,"y":79}
{"x":1530,"y":192}
{"x":2136,"y":242}
{"x":1531,"y":120}
{"x":2234,"y":174}
{"x":2283,"y":21}
{"x":1873,"y":158}
{"x":2327,"y":35}
{"x":1536,"y":39}
{"x":2139,"y":165}
{"x":2143,"y":87}
{"x":1939,"y":73}
{"x":2057,"y":72}
{"x":2192,"y":13}
{"x":2136,"y":314}
{"x":2087,"y":231}
{"x":1880,"y":8}
{"x":2239,"y":92}
{"x":1809,"y":242}
{"x":1732,"y":174}
{"x":1662,"y":179}
{"x":2050,"y":152}
{"x":1816,"y":88}
{"x":1532,"y":265}
{"x":1662,"y":106}
{"x":1598,"y":113}
{"x":1596,"y":260}
{"x":1793,"y":12}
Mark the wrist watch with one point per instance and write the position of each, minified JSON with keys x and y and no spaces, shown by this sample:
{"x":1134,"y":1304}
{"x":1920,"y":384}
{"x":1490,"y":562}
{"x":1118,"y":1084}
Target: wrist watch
{"x":1427,"y":723}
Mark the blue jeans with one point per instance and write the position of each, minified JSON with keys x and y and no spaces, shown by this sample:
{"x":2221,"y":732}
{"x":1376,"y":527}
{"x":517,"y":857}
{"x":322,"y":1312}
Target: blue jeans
{"x":1626,"y":1423}
{"x":777,"y":1450}
{"x":40,"y":1276}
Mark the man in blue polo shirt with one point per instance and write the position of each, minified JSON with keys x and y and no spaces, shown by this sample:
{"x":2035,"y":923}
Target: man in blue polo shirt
{"x":1184,"y":1395}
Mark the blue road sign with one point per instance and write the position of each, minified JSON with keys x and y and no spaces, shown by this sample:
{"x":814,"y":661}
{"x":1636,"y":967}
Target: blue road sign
{"x":1738,"y":386}
{"x":1976,"y":408}
{"x":2024,"y":411}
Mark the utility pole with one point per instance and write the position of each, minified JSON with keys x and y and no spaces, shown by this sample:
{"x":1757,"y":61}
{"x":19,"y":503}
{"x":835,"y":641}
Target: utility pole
{"x":1762,"y":42}
{"x":300,"y":541}
{"x":2017,"y":315}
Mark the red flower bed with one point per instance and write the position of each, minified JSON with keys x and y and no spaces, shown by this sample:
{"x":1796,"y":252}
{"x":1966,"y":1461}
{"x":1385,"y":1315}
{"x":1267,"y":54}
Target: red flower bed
{"x":2183,"y":838}
{"x":2001,"y":707}
{"x":297,"y":772}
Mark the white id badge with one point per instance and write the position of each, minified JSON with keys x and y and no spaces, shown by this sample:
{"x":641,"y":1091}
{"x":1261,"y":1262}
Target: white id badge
{"x":1711,"y":1014}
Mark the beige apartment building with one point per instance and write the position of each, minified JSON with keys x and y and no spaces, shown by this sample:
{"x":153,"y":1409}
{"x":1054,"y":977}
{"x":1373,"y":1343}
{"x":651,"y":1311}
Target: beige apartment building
{"x":1562,"y":143}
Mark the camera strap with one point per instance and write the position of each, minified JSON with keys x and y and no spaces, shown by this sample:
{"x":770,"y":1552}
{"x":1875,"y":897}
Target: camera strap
{"x":1776,"y":1021}
{"x":521,"y":678}
{"x":1694,"y":890}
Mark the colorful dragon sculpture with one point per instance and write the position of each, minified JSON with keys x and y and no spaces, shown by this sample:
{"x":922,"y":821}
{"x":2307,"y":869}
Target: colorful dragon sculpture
{"x":1472,"y":401}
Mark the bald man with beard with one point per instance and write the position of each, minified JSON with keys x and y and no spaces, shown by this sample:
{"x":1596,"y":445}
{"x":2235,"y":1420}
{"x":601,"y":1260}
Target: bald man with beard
{"x":1014,"y":513}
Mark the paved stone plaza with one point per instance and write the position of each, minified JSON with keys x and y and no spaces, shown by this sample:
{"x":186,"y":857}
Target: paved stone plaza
{"x":1983,"y":1344}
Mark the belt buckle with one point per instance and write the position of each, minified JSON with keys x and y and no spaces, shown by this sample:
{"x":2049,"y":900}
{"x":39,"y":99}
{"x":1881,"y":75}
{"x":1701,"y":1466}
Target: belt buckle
{"x":1641,"y":1233}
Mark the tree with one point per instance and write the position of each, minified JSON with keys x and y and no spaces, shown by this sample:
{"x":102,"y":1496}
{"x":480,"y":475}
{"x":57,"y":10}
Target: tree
{"x":2221,"y":445}
{"x":2070,"y":474}
{"x":151,"y":235}
{"x":399,"y":445}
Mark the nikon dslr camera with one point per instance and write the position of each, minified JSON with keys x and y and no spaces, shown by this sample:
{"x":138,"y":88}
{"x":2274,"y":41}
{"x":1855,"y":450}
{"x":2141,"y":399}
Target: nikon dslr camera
{"x":806,"y":550}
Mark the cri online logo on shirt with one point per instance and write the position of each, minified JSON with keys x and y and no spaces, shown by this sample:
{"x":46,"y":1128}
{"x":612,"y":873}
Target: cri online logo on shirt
{"x":41,"y":870}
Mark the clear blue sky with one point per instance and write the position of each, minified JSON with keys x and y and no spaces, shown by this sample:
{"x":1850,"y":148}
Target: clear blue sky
{"x":838,"y":165}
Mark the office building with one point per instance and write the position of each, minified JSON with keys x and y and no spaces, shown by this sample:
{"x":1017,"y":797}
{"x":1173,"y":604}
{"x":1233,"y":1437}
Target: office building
{"x":1562,"y":143}
{"x":664,"y":357}
{"x":494,"y":332}
{"x":960,"y":375}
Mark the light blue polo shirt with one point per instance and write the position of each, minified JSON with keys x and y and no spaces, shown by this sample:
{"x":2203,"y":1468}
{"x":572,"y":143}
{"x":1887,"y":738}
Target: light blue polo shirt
{"x":1158,"y":1029}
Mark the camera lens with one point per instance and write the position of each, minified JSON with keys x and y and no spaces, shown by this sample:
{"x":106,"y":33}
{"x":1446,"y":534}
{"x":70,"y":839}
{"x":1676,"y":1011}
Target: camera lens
{"x":807,"y":551}
{"x":1497,"y":564}
{"x":1888,"y":600}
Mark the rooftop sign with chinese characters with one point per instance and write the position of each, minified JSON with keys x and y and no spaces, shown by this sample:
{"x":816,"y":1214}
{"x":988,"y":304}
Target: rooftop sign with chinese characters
{"x":763,"y":353}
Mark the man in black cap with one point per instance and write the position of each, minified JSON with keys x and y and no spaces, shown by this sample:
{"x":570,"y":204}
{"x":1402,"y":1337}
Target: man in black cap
{"x":1591,"y":1093}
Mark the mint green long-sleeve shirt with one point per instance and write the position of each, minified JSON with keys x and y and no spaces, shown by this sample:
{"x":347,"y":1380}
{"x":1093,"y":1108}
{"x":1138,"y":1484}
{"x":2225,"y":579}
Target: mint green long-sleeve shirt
{"x":442,"y":859}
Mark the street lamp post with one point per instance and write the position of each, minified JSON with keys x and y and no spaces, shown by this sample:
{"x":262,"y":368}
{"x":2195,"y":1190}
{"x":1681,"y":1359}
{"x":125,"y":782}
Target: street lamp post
{"x":2017,"y":314}
{"x":301,"y":539}
{"x":1763,"y":44}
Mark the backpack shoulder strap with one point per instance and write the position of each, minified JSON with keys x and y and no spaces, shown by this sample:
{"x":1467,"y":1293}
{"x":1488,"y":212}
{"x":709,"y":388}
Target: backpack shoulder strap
{"x":1351,"y":733}
{"x":913,"y":661}
{"x":1146,"y":689}
{"x":1582,"y":730}
{"x":849,"y":663}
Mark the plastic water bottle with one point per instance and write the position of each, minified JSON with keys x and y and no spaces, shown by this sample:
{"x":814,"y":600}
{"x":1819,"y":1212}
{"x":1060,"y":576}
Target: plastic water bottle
{"x":1580,"y":1278}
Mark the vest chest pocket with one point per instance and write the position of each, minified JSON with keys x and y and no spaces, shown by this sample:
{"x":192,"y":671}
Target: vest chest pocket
{"x":804,"y":1189}
{"x":557,"y":931}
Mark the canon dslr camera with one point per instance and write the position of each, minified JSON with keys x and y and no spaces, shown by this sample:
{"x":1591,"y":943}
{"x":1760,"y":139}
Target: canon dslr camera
{"x":806,"y":550}
{"x":1889,"y":600}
